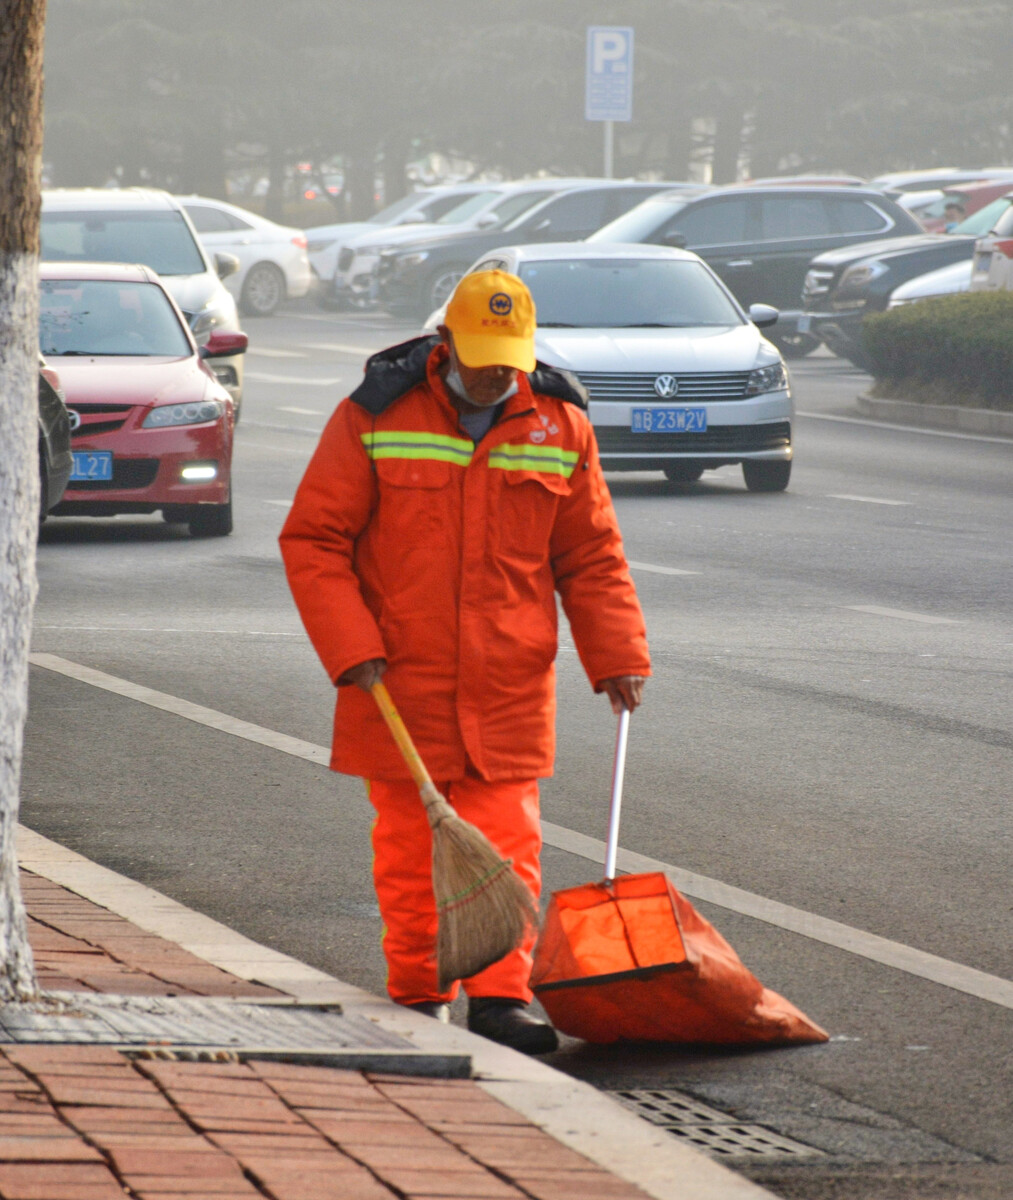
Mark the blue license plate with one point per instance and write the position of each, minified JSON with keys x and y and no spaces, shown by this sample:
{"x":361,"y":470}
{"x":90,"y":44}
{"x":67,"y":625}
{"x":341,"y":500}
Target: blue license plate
{"x":669,"y":420}
{"x":92,"y":464}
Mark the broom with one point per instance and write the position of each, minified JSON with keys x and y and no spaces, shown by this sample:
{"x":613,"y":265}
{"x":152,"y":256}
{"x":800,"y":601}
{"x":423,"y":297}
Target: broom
{"x":483,"y":906}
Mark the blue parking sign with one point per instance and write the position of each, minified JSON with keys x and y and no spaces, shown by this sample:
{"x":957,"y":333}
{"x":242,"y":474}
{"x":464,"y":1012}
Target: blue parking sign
{"x":609,"y":94}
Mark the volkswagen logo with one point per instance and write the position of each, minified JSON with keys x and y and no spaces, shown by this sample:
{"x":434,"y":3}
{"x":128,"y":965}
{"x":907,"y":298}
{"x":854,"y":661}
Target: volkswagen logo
{"x":666,"y":386}
{"x":75,"y":418}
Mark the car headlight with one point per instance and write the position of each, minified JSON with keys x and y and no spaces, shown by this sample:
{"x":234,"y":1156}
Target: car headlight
{"x":317,"y":247}
{"x":411,"y":260}
{"x":198,"y":413}
{"x":859,"y":276}
{"x":773,"y":378}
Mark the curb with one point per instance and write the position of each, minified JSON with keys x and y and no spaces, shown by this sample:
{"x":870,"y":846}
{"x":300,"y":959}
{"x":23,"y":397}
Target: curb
{"x":574,"y":1113}
{"x":938,"y":416}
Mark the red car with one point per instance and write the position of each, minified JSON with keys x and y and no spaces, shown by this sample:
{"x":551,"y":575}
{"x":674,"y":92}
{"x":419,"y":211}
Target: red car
{"x":151,"y":426}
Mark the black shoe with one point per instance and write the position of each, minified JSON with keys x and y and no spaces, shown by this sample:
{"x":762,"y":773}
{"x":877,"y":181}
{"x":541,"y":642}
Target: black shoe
{"x":432,"y":1008}
{"x":509,"y":1023}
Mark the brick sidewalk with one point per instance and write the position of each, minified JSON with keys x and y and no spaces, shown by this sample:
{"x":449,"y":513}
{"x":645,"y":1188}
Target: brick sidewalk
{"x":90,"y":1123}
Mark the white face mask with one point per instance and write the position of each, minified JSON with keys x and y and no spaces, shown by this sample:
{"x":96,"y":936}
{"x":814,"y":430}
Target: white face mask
{"x":456,"y":385}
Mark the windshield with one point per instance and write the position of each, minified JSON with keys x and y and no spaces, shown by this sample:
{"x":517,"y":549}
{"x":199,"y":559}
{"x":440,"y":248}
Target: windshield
{"x":611,"y":293}
{"x":388,"y":215}
{"x":84,"y":316}
{"x":983,"y":221}
{"x":467,"y":208}
{"x":641,"y":222}
{"x":160,"y":240}
{"x":516,"y":206}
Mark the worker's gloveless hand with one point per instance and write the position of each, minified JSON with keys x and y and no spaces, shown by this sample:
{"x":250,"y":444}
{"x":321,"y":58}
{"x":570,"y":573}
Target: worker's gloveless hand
{"x":625,"y":691}
{"x":365,"y":674}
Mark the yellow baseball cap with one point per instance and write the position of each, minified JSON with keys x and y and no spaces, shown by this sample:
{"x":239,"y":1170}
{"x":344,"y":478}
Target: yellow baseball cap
{"x":492,"y":317}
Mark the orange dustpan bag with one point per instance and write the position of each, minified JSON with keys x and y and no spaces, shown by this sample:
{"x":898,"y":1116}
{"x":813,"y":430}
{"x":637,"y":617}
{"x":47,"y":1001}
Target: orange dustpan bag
{"x":631,"y":958}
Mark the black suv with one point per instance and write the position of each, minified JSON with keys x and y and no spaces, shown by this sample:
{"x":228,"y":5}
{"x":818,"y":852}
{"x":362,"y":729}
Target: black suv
{"x":417,"y":277}
{"x":761,"y":239}
{"x":841,"y":287}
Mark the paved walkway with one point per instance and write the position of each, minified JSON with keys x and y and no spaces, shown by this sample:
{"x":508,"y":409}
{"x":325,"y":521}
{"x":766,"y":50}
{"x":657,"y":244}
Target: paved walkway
{"x":82,"y":1122}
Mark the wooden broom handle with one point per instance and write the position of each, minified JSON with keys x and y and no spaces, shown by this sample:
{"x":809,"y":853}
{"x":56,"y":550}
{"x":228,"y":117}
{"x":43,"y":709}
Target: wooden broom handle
{"x":401,"y":735}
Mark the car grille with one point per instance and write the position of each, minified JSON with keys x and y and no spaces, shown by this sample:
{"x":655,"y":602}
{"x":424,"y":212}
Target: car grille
{"x":346,"y":256}
{"x":617,"y":439}
{"x":128,"y":473}
{"x":99,"y":418}
{"x":704,"y":385}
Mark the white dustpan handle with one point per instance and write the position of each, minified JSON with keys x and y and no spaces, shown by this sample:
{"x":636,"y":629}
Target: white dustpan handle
{"x":618,"y":771}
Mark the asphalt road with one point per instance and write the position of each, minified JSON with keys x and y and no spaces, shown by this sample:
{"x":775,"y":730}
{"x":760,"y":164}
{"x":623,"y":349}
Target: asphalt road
{"x":829,"y":728}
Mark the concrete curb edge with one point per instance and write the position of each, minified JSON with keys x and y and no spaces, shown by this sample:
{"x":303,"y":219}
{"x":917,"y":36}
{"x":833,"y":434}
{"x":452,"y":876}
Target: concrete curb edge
{"x":938,"y":416}
{"x":574,"y":1113}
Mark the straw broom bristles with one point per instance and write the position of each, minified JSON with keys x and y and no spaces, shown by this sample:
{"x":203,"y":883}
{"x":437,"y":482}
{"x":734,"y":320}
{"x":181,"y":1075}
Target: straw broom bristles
{"x":483,"y":905}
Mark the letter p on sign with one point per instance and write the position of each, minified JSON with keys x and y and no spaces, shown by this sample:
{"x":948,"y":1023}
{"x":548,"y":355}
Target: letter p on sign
{"x":609,"y":48}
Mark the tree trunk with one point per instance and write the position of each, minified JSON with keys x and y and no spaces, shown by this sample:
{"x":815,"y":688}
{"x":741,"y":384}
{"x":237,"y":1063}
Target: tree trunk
{"x":727,"y":141}
{"x":21,"y":28}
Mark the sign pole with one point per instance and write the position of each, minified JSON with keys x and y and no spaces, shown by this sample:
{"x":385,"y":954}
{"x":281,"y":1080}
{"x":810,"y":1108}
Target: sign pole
{"x":609,"y":147}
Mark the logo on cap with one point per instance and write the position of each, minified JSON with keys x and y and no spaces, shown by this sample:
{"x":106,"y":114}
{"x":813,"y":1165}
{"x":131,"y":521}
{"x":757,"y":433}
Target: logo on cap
{"x":500,"y":304}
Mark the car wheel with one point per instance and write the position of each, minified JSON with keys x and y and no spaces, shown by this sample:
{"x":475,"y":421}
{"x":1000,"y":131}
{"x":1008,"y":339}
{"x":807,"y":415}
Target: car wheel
{"x":211,"y":520}
{"x":766,"y":476}
{"x":263,"y":290}
{"x":796,"y":345}
{"x":687,"y":472}
{"x":441,"y":287}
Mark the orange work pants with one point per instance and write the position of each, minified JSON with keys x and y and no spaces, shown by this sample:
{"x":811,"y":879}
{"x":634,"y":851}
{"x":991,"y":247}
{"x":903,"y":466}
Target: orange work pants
{"x":507,"y":813}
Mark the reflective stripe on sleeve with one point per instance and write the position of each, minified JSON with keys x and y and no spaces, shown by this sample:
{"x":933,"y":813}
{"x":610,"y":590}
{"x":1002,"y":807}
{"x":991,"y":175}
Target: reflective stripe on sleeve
{"x":552,"y":460}
{"x":418,"y":446}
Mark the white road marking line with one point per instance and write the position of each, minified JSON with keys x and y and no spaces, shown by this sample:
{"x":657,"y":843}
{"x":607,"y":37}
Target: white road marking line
{"x":900,"y":614}
{"x":300,"y":412}
{"x":164,"y":629}
{"x":184,"y":708}
{"x":279,"y":503}
{"x":267,"y":352}
{"x":845,"y":496}
{"x":656,"y":570}
{"x":266,"y":377}
{"x":340,"y":347}
{"x":945,"y":433}
{"x":972,"y":982}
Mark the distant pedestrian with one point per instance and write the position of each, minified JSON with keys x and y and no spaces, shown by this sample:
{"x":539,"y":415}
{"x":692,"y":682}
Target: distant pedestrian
{"x":452,"y":495}
{"x":953,"y":214}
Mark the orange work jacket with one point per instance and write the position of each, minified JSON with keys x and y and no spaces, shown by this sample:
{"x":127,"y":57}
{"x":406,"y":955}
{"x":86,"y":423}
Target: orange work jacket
{"x":407,"y":541}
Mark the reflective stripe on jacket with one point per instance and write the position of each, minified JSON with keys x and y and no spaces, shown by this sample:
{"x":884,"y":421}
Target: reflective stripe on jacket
{"x":407,"y":541}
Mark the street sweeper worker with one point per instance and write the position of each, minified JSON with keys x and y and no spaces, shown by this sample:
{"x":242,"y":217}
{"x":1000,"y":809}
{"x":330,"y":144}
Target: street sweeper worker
{"x":452,"y":494}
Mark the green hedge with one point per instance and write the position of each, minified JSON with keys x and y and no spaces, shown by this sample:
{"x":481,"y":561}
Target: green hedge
{"x":949,"y":350}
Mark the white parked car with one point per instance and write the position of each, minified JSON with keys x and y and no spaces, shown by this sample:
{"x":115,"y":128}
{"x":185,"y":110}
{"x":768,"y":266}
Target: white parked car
{"x":680,"y":378}
{"x":944,"y":281}
{"x":992,"y":265}
{"x":323,"y":242}
{"x":273,"y":265}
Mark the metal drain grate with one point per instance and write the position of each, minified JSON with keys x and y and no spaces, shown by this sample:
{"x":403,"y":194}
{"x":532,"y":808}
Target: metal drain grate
{"x":709,"y":1129}
{"x":321,"y":1033}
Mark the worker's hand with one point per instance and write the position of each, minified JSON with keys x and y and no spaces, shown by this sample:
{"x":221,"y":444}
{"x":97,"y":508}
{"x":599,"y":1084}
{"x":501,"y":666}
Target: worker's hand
{"x":365,"y":674}
{"x":625,"y":691}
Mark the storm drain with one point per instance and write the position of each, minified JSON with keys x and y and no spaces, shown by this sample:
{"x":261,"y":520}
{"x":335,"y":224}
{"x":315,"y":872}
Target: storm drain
{"x":310,"y":1033}
{"x":708,"y":1129}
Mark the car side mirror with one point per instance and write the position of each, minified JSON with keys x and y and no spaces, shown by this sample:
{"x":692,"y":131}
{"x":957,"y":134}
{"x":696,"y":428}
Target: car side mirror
{"x":674,"y":238}
{"x":540,"y":226}
{"x":226,"y":265}
{"x":486,"y":221}
{"x":224,"y":343}
{"x":763,"y":315}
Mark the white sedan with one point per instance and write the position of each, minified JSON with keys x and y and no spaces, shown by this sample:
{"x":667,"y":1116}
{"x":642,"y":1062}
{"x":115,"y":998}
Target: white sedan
{"x":679,"y":377}
{"x":273,"y":265}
